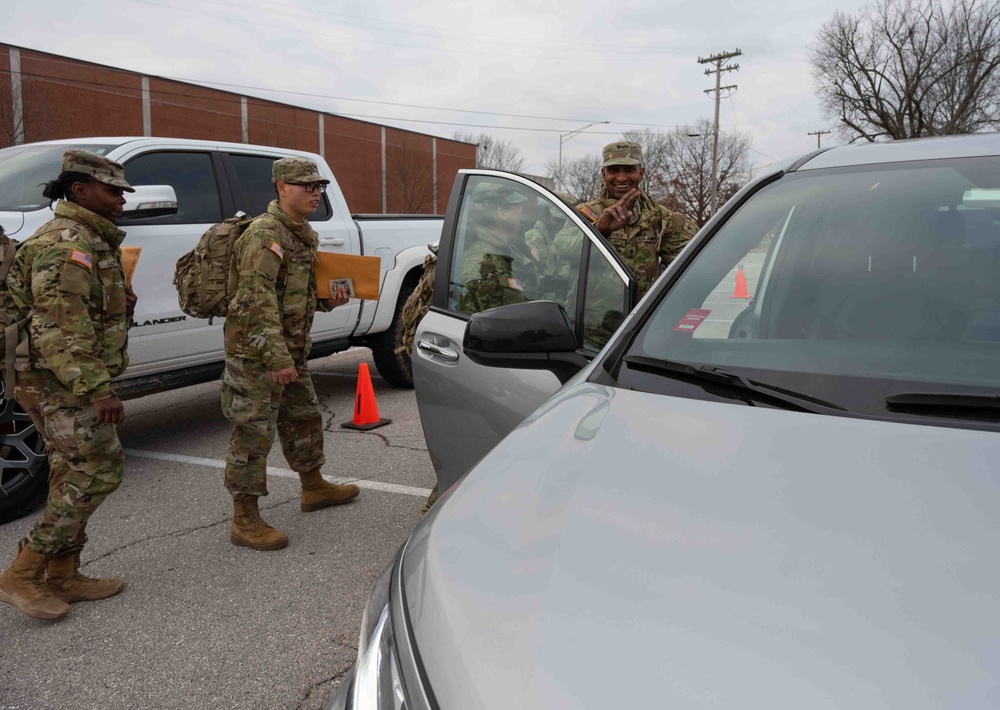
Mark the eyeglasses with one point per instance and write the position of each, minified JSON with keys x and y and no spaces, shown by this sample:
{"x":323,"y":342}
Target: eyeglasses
{"x":311,"y":186}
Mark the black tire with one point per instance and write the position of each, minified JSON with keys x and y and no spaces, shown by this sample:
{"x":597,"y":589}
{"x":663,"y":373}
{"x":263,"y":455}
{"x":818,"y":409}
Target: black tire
{"x":392,"y":366}
{"x":24,"y":465}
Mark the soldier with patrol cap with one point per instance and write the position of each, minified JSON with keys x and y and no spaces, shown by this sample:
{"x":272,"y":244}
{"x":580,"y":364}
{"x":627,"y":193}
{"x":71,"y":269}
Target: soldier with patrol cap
{"x":266,"y":384}
{"x":644,"y":233}
{"x":497,"y":266}
{"x":68,"y":277}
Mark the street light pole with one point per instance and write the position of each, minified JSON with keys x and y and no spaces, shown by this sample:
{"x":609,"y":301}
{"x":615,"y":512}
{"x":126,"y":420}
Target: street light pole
{"x":563,"y":137}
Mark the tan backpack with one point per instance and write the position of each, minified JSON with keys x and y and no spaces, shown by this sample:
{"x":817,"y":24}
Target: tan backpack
{"x":202,"y":275}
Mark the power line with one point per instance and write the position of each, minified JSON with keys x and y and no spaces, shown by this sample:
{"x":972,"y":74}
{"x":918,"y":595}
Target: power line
{"x":576,"y":56}
{"x":233,"y":99}
{"x":201,"y":82}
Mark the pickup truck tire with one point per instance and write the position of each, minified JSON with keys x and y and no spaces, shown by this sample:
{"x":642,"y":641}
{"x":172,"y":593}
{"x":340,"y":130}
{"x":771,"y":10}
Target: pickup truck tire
{"x":395,"y":368}
{"x":24,"y":466}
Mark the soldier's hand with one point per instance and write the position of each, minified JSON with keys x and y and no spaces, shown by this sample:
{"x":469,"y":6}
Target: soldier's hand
{"x":285,"y":376}
{"x":130,"y":301}
{"x":338,"y":298}
{"x":617,"y":215}
{"x":110,"y":410}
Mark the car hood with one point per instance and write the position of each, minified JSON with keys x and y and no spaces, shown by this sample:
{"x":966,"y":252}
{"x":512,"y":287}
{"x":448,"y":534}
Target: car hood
{"x":622,"y":549}
{"x":11,"y":222}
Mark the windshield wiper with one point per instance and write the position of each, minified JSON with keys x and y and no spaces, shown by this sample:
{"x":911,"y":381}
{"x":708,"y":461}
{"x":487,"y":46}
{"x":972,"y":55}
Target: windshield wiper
{"x":947,"y":404}
{"x":734,"y":380}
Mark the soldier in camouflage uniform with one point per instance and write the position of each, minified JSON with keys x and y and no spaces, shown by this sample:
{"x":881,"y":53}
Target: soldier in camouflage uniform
{"x":497,"y":267}
{"x":69,"y":277}
{"x":552,"y":271}
{"x":644,"y":233}
{"x":266,"y":384}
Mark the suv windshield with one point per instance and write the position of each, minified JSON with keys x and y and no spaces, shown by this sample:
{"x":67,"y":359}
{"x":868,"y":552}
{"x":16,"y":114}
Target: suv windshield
{"x":25,"y":169}
{"x":873,"y":288}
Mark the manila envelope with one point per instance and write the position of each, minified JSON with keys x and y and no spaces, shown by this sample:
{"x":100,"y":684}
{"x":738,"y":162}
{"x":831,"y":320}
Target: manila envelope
{"x":130,"y":257}
{"x":362,"y":270}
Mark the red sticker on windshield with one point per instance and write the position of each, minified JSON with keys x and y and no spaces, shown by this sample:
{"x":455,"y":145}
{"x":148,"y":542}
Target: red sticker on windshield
{"x":692,"y":319}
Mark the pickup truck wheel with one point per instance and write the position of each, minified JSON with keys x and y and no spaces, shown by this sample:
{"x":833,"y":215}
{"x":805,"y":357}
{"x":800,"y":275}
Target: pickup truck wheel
{"x":392,"y":366}
{"x":24,"y":465}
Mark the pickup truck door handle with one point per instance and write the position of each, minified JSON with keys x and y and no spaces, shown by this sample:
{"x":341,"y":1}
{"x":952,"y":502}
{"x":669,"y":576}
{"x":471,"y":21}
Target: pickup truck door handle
{"x":448,"y":354}
{"x":338,"y":242}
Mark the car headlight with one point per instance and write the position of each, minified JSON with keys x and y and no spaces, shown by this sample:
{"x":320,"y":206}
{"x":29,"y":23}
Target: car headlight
{"x":378,"y":682}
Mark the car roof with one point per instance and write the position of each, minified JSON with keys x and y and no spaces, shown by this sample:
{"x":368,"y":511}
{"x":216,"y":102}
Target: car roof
{"x":963,"y":146}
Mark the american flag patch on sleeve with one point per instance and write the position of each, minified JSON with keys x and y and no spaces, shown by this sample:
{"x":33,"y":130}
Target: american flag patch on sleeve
{"x":276,"y":248}
{"x":82,"y":259}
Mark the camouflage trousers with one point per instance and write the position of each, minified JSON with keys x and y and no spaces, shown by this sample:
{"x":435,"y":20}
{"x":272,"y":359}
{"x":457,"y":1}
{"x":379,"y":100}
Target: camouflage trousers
{"x":257,"y":406}
{"x":86,"y":464}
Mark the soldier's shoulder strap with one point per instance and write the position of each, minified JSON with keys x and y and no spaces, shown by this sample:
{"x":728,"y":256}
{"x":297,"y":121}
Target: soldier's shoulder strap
{"x":591,"y":210}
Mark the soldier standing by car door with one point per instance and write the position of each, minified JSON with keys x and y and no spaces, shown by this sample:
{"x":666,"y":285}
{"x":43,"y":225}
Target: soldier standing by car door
{"x":69,"y":277}
{"x":266,"y":384}
{"x":644,"y":233}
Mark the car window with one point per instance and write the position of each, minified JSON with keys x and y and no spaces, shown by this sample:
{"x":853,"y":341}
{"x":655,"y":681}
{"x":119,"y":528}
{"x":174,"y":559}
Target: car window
{"x":192,"y":175}
{"x":848,"y":284}
{"x":256,"y":190}
{"x":513,"y":244}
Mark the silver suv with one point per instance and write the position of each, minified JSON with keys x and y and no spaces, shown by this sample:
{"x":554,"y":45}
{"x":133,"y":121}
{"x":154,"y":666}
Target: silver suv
{"x":775,"y":487}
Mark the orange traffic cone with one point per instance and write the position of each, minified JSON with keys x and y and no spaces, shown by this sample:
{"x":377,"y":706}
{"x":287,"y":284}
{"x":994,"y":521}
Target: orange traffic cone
{"x":740,"y":291}
{"x":365,"y":410}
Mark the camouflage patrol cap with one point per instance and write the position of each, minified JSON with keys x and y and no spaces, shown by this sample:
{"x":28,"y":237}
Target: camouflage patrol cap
{"x":300,"y":170}
{"x":622,"y":153}
{"x":96,"y":166}
{"x":492,"y":194}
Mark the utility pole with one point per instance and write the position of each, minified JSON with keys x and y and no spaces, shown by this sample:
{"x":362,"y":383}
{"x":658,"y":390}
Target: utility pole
{"x":817,"y":134}
{"x":717,"y":60}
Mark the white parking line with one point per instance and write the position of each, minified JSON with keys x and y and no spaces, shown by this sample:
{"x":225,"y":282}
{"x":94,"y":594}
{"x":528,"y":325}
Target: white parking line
{"x":283,"y":473}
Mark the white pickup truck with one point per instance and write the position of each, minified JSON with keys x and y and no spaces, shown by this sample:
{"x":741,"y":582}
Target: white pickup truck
{"x":210,"y":182}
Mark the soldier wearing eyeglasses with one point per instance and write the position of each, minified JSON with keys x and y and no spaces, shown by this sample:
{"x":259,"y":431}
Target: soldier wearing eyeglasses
{"x":266,"y":384}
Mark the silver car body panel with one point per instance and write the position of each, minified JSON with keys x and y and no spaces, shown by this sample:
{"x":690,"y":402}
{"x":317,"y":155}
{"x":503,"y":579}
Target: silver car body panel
{"x":965,"y":146}
{"x":737,"y":557}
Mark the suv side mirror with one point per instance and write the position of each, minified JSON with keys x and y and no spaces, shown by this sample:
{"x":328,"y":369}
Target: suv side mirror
{"x":537,"y":335}
{"x":150,"y":201}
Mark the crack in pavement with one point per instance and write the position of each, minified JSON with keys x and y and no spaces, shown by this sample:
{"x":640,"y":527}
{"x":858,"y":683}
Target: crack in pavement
{"x":306,"y":694}
{"x":177,"y":533}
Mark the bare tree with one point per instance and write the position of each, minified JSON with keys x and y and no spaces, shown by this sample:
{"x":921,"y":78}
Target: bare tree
{"x":683,"y":180}
{"x":410,"y":178}
{"x":658,"y":151}
{"x":493,"y":153}
{"x":34,"y":122}
{"x":580,"y":177}
{"x":909,"y":68}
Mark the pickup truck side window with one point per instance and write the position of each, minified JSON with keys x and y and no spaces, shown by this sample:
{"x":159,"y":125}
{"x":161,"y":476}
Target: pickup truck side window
{"x":254,"y":189}
{"x":192,"y":176}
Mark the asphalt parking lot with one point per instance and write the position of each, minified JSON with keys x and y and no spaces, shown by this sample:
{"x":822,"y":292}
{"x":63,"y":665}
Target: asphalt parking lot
{"x":204,"y":624}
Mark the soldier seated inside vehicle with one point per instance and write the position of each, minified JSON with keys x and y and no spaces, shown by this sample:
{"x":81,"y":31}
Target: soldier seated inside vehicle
{"x":496,"y":266}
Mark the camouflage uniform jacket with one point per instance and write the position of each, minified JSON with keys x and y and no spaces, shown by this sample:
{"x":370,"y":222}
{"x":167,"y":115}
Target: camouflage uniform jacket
{"x":653,"y":234}
{"x":273,"y":289}
{"x":495,"y":272}
{"x":68,"y":274}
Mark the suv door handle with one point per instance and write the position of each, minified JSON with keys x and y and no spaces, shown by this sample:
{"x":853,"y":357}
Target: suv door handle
{"x":338,"y":242}
{"x":447,"y":354}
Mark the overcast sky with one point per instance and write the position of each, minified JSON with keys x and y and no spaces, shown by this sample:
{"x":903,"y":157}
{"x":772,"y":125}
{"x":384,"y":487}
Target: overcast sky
{"x":556,"y":65}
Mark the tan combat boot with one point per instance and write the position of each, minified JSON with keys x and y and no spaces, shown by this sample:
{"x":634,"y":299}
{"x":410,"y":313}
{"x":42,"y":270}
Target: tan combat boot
{"x":249,"y":530}
{"x":24,"y":586}
{"x":318,"y":494}
{"x":68,"y":584}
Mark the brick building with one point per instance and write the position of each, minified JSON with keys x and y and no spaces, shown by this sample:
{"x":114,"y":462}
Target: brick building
{"x":381,"y":169}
